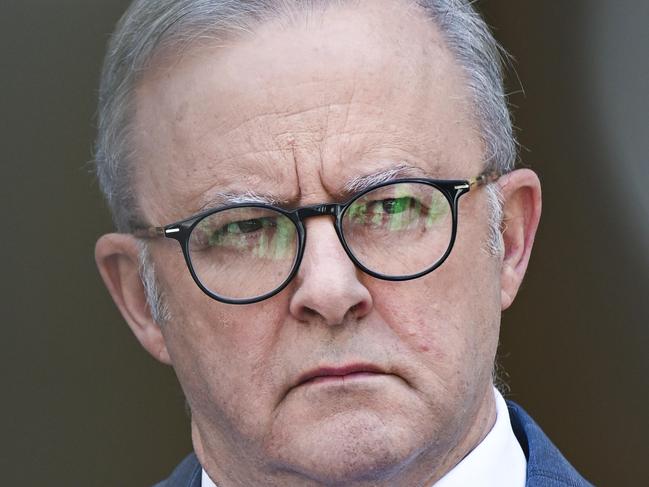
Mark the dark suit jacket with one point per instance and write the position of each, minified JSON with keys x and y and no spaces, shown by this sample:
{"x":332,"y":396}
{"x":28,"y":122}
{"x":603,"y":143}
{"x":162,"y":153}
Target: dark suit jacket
{"x":546,"y":467}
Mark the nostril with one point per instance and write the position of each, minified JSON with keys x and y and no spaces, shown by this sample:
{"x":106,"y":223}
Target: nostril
{"x":333,"y":313}
{"x":309,"y":313}
{"x":357,"y":309}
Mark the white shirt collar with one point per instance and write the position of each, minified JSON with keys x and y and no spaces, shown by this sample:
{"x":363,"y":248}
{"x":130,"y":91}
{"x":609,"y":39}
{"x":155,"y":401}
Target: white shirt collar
{"x":498,"y":461}
{"x":206,"y":481}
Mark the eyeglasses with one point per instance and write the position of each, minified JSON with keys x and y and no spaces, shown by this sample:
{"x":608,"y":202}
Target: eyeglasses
{"x":396,"y":231}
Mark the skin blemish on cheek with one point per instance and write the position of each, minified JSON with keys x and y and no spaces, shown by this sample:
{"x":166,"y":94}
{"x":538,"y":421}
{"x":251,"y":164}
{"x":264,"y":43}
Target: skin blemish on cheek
{"x":420,"y":342}
{"x":423,"y":343}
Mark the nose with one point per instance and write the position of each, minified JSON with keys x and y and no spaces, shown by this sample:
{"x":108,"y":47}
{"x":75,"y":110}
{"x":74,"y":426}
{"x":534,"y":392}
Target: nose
{"x":327,"y":284}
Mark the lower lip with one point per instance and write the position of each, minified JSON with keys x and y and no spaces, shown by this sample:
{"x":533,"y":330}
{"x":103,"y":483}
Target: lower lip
{"x":325,"y":379}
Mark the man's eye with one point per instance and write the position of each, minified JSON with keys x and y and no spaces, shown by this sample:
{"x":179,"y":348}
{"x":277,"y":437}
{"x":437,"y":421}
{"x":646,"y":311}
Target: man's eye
{"x":235,"y":232}
{"x":396,"y":205}
{"x":246,"y":226}
{"x":391,"y":206}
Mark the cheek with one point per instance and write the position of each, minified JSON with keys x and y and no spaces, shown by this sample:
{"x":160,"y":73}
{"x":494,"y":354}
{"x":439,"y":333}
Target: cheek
{"x":447,"y":326}
{"x":423,"y":325}
{"x":224,"y":359}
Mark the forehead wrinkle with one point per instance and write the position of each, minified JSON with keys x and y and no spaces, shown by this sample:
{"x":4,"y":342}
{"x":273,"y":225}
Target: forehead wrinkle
{"x":269,"y":119}
{"x":384,"y":144}
{"x":238,"y":179}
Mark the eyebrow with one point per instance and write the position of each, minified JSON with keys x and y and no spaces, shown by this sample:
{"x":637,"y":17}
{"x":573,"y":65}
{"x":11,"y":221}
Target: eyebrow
{"x":360,"y":183}
{"x":218,"y":199}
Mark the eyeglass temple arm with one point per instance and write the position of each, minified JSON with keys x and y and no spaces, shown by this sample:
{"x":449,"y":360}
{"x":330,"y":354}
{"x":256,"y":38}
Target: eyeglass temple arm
{"x":483,"y":179}
{"x":149,"y":232}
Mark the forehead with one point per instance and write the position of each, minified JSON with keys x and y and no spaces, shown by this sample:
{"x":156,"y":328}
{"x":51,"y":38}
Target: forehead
{"x":299,"y":109}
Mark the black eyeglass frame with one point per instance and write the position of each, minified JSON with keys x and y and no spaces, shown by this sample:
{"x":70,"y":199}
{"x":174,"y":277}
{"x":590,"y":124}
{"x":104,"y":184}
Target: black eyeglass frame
{"x":181,"y":231}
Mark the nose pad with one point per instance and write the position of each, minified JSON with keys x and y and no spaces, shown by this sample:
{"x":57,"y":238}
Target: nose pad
{"x":327,"y":283}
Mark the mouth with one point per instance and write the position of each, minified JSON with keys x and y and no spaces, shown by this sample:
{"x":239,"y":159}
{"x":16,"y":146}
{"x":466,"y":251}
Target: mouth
{"x":341,"y":374}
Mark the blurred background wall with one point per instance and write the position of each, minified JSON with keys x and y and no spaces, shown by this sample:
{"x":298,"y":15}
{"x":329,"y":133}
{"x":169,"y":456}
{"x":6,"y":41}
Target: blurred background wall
{"x":82,"y":404}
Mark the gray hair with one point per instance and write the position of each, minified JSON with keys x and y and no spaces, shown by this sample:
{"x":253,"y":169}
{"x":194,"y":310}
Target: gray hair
{"x":149,"y":26}
{"x":155,"y":298}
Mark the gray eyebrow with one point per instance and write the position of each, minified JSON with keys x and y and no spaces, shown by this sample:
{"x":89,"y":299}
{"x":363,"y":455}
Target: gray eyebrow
{"x":401,"y":170}
{"x":230,"y":198}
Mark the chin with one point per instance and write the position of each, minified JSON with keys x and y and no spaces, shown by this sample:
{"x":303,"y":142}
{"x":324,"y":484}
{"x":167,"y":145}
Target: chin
{"x":349,"y":447}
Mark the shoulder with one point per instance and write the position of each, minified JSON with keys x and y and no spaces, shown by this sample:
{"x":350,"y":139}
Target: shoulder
{"x":546,"y":466}
{"x":186,"y":474}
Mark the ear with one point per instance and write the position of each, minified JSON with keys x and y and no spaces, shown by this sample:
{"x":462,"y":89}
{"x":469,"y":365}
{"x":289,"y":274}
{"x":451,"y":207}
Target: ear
{"x":116,"y":256}
{"x":521,"y":192}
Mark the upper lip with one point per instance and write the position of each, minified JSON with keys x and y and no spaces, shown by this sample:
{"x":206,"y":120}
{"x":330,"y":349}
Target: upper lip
{"x":332,"y":371}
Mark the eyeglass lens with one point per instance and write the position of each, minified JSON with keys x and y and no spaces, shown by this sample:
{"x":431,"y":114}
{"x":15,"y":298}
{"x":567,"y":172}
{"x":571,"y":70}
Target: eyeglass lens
{"x":396,"y":230}
{"x":242,"y":253}
{"x":400,"y":229}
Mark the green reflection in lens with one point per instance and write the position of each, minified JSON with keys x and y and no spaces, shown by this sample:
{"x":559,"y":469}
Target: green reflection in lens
{"x":402,"y":211}
{"x":408,"y":207}
{"x":356,"y":213}
{"x":279,"y":244}
{"x":267,"y":237}
{"x":438,"y":209}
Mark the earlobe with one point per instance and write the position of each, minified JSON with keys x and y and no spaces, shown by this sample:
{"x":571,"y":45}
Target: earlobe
{"x":117,"y":259}
{"x":521,"y":192}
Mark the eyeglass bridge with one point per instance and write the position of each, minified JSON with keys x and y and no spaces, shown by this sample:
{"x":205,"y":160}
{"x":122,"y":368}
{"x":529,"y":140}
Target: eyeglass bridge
{"x":319,"y":210}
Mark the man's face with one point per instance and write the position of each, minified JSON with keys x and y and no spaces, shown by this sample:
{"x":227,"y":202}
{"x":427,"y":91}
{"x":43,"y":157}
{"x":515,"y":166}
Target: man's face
{"x":295,"y":112}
